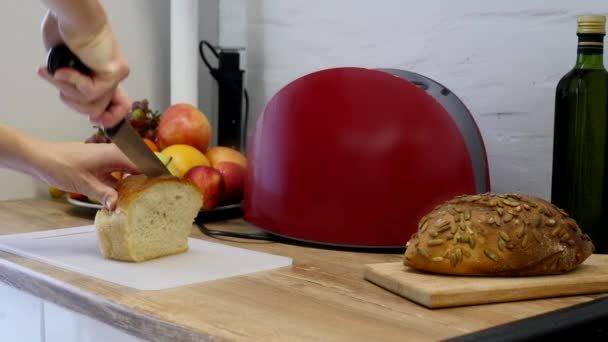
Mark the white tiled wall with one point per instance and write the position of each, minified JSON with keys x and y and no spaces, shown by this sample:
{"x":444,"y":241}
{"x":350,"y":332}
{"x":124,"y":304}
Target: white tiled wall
{"x":502,"y":58}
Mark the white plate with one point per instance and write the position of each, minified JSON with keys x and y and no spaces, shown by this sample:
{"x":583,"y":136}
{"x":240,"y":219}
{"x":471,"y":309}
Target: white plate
{"x":84,"y":204}
{"x":87,"y":204}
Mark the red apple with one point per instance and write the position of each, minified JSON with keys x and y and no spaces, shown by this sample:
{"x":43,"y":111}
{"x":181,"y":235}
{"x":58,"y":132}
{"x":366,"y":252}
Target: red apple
{"x":183,"y":123}
{"x":234,"y":180}
{"x":210,"y":182}
{"x":218,"y":154}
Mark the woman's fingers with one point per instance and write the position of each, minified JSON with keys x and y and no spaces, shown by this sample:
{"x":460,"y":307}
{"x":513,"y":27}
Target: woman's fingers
{"x":119,"y":107}
{"x":92,"y":97}
{"x":63,"y":86}
{"x":93,"y":109}
{"x":89,"y":89}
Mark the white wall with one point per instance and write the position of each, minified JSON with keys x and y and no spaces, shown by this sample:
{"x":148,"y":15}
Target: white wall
{"x":29,"y":104}
{"x":502,"y":58}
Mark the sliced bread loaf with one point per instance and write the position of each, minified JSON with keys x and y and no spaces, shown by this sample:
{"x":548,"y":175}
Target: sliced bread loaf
{"x":153,"y":218}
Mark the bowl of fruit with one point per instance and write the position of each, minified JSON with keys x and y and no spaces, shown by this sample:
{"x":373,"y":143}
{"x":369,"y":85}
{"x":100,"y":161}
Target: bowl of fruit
{"x":180,"y":137}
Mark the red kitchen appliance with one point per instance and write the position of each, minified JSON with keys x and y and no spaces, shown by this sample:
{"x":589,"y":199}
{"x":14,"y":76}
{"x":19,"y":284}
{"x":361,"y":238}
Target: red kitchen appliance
{"x":354,"y":157}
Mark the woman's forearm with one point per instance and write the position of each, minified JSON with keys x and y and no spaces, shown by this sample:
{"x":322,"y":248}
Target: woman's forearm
{"x":50,"y":31}
{"x":83,"y":26}
{"x":19,"y":151}
{"x":80,"y":21}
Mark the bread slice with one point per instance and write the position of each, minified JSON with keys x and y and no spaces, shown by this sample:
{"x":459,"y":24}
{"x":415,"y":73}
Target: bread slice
{"x":153,"y":218}
{"x":504,"y":234}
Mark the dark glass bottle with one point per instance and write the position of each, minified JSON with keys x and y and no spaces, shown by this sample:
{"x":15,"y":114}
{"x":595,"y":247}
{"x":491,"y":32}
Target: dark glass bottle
{"x":580,"y":145}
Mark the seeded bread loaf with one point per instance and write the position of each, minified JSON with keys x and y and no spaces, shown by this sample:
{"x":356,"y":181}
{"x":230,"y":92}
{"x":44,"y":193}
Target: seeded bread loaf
{"x":498,"y":235}
{"x":153,"y":218}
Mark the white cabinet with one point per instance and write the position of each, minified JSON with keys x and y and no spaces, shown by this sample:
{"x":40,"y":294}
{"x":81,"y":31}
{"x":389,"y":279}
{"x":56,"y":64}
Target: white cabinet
{"x":27,"y":318}
{"x":20,"y":315}
{"x":62,"y":325}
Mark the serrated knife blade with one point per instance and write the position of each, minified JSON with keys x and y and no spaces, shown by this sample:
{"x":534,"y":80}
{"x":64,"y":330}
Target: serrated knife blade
{"x":133,"y":146}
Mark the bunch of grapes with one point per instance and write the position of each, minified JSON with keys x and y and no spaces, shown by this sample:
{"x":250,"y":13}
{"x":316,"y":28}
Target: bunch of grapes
{"x":98,"y":138}
{"x":144,"y":120}
{"x":141,"y":118}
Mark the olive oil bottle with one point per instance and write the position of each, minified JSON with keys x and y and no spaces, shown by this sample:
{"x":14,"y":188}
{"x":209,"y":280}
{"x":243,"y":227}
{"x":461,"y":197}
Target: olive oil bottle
{"x":579,"y":182}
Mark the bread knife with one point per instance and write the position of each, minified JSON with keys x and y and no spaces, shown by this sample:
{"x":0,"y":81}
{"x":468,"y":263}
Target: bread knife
{"x":122,"y":134}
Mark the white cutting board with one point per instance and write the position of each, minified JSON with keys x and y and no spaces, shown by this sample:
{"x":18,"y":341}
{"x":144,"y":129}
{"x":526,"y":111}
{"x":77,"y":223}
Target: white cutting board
{"x":75,"y":249}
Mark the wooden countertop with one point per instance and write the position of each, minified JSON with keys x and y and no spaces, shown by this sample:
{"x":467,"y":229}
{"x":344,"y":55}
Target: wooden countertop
{"x":323,"y":296}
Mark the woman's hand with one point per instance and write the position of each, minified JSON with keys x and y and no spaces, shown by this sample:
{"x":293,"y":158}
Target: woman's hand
{"x":76,"y":167}
{"x":103,"y":100}
{"x":85,"y":169}
{"x":100,"y":95}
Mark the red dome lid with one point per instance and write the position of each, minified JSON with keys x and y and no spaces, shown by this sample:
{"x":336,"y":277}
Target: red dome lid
{"x":353,"y":157}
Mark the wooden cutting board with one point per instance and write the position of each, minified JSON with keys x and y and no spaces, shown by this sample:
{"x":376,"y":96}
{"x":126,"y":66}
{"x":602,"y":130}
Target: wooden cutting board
{"x":437,"y":291}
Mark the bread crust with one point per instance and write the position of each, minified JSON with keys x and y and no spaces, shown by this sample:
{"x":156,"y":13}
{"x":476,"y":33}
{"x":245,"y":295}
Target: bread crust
{"x":132,"y":186}
{"x":506,"y":234}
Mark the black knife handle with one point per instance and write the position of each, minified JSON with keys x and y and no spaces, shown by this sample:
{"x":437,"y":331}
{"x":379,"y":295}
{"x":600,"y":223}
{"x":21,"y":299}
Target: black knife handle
{"x":110,"y":132}
{"x":60,"y":56}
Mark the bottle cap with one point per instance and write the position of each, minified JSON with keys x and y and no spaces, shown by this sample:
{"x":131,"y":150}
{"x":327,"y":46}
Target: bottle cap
{"x":593,"y":24}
